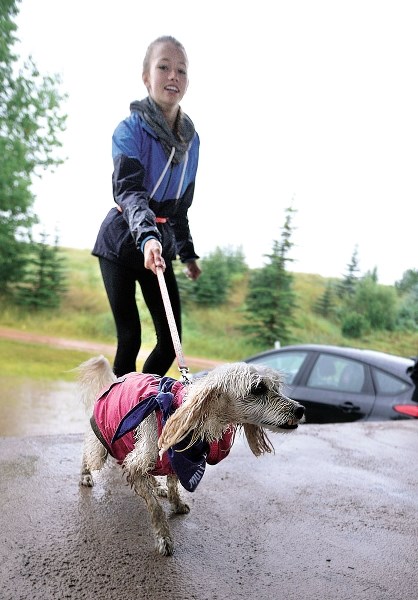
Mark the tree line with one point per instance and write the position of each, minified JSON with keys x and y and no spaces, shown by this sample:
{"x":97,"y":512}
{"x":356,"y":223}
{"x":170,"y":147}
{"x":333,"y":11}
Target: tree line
{"x":357,"y":303}
{"x":31,"y":121}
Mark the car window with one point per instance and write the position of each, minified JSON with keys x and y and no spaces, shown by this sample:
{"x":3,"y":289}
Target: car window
{"x":388,"y":384}
{"x":288,"y":363}
{"x":337,"y":373}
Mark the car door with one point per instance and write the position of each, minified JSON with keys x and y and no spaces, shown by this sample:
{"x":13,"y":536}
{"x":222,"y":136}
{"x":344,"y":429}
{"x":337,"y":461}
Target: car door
{"x":335,"y":389}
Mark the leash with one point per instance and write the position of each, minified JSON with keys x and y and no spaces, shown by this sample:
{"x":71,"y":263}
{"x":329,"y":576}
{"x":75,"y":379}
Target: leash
{"x":181,"y":361}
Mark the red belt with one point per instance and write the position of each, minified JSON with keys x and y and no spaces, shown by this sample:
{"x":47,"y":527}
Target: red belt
{"x":157,"y":219}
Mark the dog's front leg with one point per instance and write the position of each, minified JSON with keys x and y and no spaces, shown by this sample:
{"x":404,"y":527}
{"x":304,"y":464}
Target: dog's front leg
{"x":179,"y":506}
{"x":144,"y":487}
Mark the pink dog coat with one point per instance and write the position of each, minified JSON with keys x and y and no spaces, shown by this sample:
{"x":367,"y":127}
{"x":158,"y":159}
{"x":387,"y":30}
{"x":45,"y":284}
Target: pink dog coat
{"x":122,"y":406}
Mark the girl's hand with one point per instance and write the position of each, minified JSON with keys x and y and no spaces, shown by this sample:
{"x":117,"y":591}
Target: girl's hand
{"x":192,"y":270}
{"x":152,"y":256}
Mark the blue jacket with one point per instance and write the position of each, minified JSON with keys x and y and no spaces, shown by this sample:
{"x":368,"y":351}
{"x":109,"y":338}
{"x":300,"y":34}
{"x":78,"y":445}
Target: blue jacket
{"x":139,"y":160}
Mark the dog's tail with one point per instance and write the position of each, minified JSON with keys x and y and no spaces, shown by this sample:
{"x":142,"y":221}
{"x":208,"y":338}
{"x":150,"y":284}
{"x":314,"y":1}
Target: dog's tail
{"x":94,"y":375}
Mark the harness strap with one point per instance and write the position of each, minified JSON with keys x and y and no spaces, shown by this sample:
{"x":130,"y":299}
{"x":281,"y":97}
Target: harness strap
{"x":98,"y":434}
{"x":163,"y":400}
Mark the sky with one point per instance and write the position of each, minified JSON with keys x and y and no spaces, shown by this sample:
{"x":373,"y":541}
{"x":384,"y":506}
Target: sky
{"x":308,"y":104}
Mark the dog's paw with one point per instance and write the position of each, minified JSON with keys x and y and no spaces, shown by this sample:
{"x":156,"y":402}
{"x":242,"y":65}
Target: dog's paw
{"x":86,"y":480}
{"x":165,"y":546}
{"x":181,"y":508}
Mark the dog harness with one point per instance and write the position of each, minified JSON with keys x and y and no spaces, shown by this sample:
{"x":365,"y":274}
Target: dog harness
{"x":121,"y":408}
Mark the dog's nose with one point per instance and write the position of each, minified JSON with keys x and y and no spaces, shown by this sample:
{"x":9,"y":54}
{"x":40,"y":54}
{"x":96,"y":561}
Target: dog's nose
{"x":299,"y":411}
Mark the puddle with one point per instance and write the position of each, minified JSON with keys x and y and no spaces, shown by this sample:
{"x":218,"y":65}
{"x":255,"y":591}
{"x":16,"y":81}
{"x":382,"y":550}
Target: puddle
{"x":29,"y":407}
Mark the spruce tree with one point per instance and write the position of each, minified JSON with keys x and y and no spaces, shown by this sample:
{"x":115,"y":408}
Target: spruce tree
{"x":347,"y":286}
{"x":325,"y":304}
{"x":44,"y":279}
{"x":270,"y":301}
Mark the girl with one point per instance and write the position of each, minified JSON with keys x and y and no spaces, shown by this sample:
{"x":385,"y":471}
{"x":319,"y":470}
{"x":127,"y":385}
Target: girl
{"x":155,"y":154}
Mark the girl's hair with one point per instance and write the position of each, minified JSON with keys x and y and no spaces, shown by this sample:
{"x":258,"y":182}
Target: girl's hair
{"x":160,"y":40}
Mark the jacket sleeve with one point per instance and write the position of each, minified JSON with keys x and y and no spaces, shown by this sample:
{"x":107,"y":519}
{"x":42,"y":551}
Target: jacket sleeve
{"x":180,"y":224}
{"x":129,"y":192}
{"x":130,"y":195}
{"x":219,"y":449}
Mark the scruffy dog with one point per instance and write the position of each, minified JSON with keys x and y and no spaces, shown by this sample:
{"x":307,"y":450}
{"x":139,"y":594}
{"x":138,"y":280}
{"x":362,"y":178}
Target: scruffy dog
{"x":158,"y":426}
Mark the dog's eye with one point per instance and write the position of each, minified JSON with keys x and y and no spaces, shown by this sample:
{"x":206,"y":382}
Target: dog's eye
{"x":259,"y":389}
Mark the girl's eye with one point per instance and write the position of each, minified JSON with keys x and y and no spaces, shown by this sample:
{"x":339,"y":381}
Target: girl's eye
{"x":182,"y":72}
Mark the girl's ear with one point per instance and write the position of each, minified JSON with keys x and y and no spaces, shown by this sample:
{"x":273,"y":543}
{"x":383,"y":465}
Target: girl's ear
{"x":257,"y":439}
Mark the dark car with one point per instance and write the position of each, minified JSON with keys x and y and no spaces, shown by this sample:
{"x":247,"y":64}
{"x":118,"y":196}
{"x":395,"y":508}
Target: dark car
{"x":337,"y":384}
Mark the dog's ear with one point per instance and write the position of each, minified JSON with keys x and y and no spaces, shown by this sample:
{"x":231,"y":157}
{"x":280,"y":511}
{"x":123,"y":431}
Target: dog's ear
{"x":191,"y":415}
{"x":257,"y":439}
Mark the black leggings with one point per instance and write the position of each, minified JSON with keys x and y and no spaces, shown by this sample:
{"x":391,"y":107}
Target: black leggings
{"x":120,"y":284}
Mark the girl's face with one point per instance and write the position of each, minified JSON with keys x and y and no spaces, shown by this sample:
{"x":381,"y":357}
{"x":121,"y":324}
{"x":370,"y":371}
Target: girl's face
{"x":167,"y":80}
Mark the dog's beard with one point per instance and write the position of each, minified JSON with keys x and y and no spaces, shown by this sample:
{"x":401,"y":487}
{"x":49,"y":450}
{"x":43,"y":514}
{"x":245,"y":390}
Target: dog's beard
{"x":274,"y":415}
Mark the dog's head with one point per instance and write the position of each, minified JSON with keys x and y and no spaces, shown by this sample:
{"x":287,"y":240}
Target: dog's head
{"x":264,"y":402}
{"x":238,"y":394}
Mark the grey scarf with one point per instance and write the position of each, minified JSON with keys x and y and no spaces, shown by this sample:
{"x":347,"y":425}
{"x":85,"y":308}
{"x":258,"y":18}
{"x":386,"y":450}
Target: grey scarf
{"x":183,"y":132}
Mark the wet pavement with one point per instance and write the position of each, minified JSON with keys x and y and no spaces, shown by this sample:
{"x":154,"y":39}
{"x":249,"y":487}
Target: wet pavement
{"x":331,"y":516}
{"x":29,"y":407}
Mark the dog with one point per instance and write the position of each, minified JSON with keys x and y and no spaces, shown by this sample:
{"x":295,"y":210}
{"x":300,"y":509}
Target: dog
{"x":157,"y":426}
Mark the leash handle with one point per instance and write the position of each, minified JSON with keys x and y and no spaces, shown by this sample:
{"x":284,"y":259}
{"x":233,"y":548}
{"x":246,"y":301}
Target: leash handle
{"x":172,"y":324}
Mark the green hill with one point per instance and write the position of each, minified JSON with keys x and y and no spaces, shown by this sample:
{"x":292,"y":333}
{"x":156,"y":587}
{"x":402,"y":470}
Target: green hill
{"x":210,"y":333}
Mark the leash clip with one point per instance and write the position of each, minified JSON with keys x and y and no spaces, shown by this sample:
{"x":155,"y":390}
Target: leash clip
{"x":185,"y":376}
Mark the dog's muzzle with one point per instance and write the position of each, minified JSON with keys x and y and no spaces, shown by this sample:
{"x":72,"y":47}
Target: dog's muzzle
{"x":298,"y":415}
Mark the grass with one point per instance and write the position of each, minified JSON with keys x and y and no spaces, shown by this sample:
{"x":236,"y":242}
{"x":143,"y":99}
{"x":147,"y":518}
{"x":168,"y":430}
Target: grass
{"x":209,"y":333}
{"x":35,"y":361}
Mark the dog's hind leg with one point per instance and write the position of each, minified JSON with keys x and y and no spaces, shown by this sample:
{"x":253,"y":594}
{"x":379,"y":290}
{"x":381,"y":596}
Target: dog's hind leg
{"x":144,"y":487}
{"x":94,"y":457}
{"x":179,"y":506}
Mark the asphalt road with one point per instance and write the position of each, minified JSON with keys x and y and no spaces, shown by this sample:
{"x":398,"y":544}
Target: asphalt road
{"x":331,"y":516}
